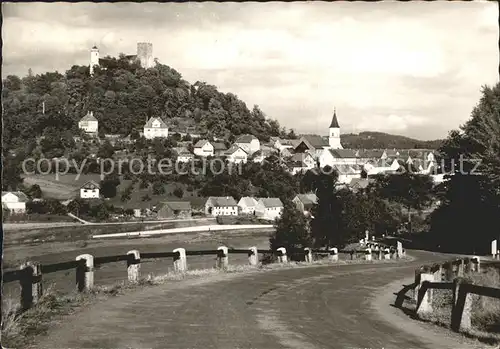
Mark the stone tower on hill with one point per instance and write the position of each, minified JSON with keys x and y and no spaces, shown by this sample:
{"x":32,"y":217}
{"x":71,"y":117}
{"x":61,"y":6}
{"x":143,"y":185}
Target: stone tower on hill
{"x":145,"y":54}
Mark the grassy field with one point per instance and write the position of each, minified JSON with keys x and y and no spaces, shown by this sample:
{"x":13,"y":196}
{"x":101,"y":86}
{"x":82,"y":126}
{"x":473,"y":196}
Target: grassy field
{"x":107,"y":274}
{"x":66,"y":186}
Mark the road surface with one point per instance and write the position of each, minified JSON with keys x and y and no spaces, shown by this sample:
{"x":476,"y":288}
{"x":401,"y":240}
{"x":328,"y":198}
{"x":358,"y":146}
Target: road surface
{"x":303,"y":308}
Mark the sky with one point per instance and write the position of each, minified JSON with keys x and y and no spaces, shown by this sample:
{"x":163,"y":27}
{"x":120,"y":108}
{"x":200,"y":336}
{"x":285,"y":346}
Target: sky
{"x":409,"y":68}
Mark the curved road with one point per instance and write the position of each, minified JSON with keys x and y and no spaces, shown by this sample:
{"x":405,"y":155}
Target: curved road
{"x":305,"y":308}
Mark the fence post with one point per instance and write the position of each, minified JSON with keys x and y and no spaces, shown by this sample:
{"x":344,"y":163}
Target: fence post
{"x":31,"y":284}
{"x":353,"y":253}
{"x":222,"y":258}
{"x":399,"y":249}
{"x":368,"y":254}
{"x":424,"y":294}
{"x":133,"y":265}
{"x":460,"y":271}
{"x":180,"y":262}
{"x":309,"y":256}
{"x":85,"y":272}
{"x":417,"y":282}
{"x":253,"y":257}
{"x":334,"y":254}
{"x":476,"y":262}
{"x":494,"y":248}
{"x":462,"y":305}
{"x":437,"y":271}
{"x":448,"y":271}
{"x":282,"y":258}
{"x":387,"y":253}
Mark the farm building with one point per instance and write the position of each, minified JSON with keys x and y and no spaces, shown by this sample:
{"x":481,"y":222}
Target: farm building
{"x":174,"y":209}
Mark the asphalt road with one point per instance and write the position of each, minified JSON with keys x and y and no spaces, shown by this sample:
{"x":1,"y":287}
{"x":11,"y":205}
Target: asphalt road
{"x":304,"y":308}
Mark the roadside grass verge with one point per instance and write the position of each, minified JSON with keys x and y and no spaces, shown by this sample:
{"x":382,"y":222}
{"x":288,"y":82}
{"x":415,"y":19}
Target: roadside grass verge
{"x":19,"y":329}
{"x":485,"y":316}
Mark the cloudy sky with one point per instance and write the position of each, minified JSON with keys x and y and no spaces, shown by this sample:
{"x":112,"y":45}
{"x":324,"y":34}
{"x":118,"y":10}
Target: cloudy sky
{"x":414,"y":68}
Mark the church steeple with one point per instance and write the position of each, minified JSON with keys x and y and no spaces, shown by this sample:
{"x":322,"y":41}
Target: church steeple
{"x":335,"y":122}
{"x":334,"y":137}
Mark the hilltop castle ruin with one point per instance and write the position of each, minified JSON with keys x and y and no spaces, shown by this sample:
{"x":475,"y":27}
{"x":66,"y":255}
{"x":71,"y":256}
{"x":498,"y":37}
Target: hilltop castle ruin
{"x":144,"y":56}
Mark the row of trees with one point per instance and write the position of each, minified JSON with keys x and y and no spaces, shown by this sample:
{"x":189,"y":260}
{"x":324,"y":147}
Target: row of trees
{"x":467,"y":216}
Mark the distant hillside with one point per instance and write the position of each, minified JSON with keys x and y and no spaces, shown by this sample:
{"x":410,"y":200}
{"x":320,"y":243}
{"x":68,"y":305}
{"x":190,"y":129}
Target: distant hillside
{"x":380,"y":140}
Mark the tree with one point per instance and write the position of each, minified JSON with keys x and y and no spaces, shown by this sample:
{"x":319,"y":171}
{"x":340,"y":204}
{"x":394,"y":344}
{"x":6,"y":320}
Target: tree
{"x":469,"y":210}
{"x":412,"y":191}
{"x":159,"y":188}
{"x":292,"y":230}
{"x":35,"y":191}
{"x":178,"y":192}
{"x":106,"y":150}
{"x":109,"y":185}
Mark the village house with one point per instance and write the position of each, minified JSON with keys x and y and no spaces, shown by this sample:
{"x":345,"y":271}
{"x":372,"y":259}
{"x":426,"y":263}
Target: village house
{"x":90,"y":190}
{"x":236,"y":155}
{"x":89,"y":123}
{"x":221,"y":206}
{"x":312,"y":144}
{"x":358,"y":184}
{"x":219,"y":148}
{"x":174,"y":209}
{"x":14,"y":201}
{"x":248,"y":143}
{"x":300,"y":162}
{"x":346,"y":173}
{"x":183,"y":155}
{"x":269,"y":208}
{"x":263,"y":153}
{"x":305,"y":202}
{"x":203,"y":148}
{"x":282,"y":144}
{"x":247,"y":205}
{"x":373,"y":167}
{"x":155,"y":127}
{"x":333,"y":157}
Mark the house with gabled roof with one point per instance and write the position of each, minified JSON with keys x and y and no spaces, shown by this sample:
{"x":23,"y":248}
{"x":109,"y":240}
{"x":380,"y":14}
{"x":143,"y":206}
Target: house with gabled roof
{"x":263,"y":153}
{"x":203,"y":148}
{"x":300,"y":162}
{"x":14,"y":201}
{"x":155,"y":127}
{"x":248,"y":143}
{"x":269,"y":208}
{"x":221,"y":206}
{"x":90,"y":190}
{"x":219,"y":148}
{"x":312,"y":144}
{"x":174,"y":209}
{"x":305,"y":202}
{"x":247,"y":205}
{"x":89,"y":123}
{"x":332,"y":157}
{"x":236,"y":155}
{"x":183,"y":154}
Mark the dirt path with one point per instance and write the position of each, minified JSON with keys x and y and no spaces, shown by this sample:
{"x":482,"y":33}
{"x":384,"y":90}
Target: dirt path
{"x":307,"y":308}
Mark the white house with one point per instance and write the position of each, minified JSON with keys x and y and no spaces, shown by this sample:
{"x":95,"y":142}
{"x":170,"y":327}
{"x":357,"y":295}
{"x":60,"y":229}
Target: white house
{"x":203,"y":148}
{"x":332,"y":157}
{"x":155,"y":127}
{"x":221,"y":206}
{"x":346,"y":173}
{"x":281,"y":144}
{"x":183,"y":154}
{"x":236,"y":155}
{"x":14,"y":201}
{"x":386,"y":165}
{"x":248,"y":143}
{"x":90,"y":190}
{"x":269,"y":208}
{"x":263,"y":153}
{"x":247,"y":205}
{"x":89,"y":123}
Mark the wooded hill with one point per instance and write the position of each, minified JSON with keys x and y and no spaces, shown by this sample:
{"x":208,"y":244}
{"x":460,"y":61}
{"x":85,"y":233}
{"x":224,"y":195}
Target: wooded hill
{"x":380,"y":140}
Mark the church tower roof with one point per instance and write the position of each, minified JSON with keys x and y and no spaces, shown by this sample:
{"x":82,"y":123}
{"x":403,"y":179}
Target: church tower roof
{"x":335,"y":122}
